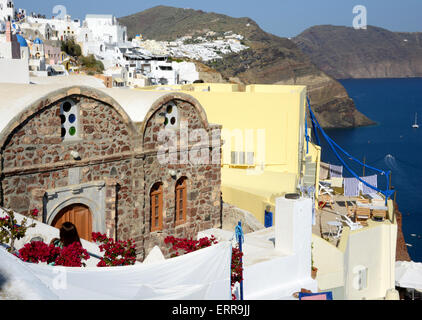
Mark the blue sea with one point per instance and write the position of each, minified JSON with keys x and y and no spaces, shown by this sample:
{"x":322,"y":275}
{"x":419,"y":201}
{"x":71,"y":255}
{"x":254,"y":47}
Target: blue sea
{"x":391,"y":144}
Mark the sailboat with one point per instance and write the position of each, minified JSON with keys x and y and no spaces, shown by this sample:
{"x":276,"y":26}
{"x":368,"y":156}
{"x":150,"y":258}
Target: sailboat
{"x":416,"y":122}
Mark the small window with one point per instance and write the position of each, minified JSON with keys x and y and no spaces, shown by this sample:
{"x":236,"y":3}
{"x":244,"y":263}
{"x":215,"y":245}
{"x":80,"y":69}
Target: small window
{"x":181,"y":201}
{"x":242,"y":158}
{"x":69,"y":119}
{"x":171,"y":120}
{"x":156,"y":196}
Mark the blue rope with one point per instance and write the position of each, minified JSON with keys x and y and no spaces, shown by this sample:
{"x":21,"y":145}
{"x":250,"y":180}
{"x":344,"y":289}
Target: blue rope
{"x":239,"y":233}
{"x":388,"y":193}
{"x":306,"y":133}
{"x":314,"y":125}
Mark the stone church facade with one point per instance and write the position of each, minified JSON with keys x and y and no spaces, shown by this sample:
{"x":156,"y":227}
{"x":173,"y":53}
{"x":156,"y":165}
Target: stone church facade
{"x":79,"y":153}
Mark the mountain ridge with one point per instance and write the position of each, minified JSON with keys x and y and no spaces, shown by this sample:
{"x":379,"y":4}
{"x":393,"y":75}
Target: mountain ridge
{"x":343,"y":52}
{"x":269,"y":60}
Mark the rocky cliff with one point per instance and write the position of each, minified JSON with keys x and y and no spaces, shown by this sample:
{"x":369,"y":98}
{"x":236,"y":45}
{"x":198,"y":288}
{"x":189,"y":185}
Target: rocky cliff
{"x":269,"y":59}
{"x":401,"y":249}
{"x":344,"y":52}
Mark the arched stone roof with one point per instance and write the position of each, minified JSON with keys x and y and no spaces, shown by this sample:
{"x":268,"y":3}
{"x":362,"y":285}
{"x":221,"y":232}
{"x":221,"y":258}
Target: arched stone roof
{"x":21,"y":101}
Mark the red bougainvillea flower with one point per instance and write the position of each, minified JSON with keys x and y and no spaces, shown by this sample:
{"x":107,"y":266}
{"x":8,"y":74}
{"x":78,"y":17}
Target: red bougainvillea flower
{"x":120,"y":253}
{"x":72,"y":256}
{"x":34,"y":212}
{"x":38,"y":251}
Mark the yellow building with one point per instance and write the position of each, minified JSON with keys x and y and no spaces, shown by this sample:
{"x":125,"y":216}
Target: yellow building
{"x":265,"y":150}
{"x":265,"y":155}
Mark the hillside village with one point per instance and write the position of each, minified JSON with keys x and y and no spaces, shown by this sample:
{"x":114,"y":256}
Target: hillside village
{"x":124,"y":63}
{"x":123,"y":139}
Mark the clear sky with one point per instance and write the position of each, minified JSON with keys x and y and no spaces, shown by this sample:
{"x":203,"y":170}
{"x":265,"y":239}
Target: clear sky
{"x":285,"y":18}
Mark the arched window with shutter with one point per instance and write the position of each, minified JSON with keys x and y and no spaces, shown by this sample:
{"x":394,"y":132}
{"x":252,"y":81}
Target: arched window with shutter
{"x":181,"y":201}
{"x":156,"y":196}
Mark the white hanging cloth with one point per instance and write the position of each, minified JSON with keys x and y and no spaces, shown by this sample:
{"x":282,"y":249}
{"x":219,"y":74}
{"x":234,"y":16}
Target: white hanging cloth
{"x":200,"y":275}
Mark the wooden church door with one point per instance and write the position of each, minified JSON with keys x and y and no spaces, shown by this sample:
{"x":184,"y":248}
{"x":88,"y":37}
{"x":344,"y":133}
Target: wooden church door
{"x":80,"y":216}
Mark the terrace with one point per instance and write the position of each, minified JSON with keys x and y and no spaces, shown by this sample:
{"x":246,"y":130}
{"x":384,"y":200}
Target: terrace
{"x":337,"y":212}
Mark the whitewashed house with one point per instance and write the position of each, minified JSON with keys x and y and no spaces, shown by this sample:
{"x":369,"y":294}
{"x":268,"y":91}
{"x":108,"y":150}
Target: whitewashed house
{"x":61,"y":28}
{"x":105,"y":28}
{"x":7,"y":10}
{"x":14,"y":57}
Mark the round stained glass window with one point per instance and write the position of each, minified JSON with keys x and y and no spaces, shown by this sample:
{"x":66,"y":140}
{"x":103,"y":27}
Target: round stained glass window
{"x":72,"y":118}
{"x":66,"y":106}
{"x":166,"y":122}
{"x":169,"y":109}
{"x":72,"y":131}
{"x":63,"y":132}
{"x":62,"y":118}
{"x":173,"y":120}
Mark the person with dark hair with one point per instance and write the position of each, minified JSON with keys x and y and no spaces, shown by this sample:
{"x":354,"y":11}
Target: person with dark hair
{"x":68,"y":235}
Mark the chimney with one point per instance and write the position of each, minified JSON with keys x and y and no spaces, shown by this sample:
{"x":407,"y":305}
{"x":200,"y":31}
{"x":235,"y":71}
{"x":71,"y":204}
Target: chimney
{"x":8,"y":31}
{"x":293,"y":231}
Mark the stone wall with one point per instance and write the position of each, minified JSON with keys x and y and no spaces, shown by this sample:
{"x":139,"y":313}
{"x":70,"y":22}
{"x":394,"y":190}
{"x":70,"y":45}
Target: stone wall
{"x":36,"y":160}
{"x":232,"y":215}
{"x":203,"y":181}
{"x":401,"y":249}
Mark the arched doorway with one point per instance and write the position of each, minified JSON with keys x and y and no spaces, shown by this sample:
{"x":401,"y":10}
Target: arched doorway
{"x":80,"y":216}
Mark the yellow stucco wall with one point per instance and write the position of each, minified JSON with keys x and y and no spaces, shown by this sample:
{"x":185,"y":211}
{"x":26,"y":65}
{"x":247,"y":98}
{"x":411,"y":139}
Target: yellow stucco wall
{"x":255,"y":192}
{"x":273,"y":113}
{"x":329,"y":261}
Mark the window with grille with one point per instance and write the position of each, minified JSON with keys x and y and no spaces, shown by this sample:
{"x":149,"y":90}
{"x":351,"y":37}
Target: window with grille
{"x":69,"y":119}
{"x":156,"y":196}
{"x":171,"y":120}
{"x":181,"y":200}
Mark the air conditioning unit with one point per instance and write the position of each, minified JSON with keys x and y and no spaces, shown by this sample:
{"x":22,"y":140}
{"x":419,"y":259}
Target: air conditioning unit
{"x":242,"y":158}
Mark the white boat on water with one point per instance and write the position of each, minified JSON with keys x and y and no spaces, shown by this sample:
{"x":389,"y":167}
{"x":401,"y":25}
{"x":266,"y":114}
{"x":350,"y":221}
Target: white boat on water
{"x":415,"y":125}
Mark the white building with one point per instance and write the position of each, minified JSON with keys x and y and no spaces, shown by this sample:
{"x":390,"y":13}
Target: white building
{"x":277,"y":260}
{"x":43,"y":30}
{"x":37,"y":57}
{"x":104,"y":28}
{"x":162,"y":72}
{"x":7,"y":10}
{"x":105,"y":38}
{"x":118,"y":75}
{"x":187,"y":72}
{"x":62,"y":29}
{"x":13,"y":58}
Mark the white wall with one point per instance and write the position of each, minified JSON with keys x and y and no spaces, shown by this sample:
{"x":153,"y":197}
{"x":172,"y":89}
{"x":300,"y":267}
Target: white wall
{"x":279,"y":277}
{"x":14,"y":71}
{"x":106,"y":29}
{"x":157,"y":73}
{"x":293,"y":231}
{"x":372,"y":248}
{"x":65,"y":28}
{"x":329,"y":261}
{"x":6,"y":12}
{"x":187,"y":71}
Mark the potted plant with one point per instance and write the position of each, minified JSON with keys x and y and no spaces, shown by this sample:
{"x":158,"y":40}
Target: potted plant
{"x":10,"y":230}
{"x":314,"y":272}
